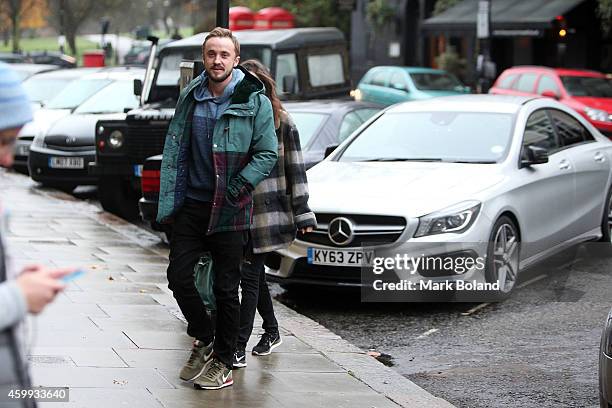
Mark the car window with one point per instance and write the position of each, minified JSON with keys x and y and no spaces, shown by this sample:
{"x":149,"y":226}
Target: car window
{"x":547,"y":83}
{"x":539,"y":132}
{"x":76,"y":92}
{"x":570,"y":131}
{"x":435,"y":81}
{"x":286,"y":65}
{"x":42,"y":89}
{"x":506,"y":82}
{"x":367,"y":113}
{"x":114,"y":98}
{"x":526,"y":83}
{"x":350,"y":122}
{"x":433,"y":136}
{"x":398,"y":81}
{"x":379,"y":78}
{"x":307,"y":124}
{"x":587,"y":86}
{"x":325,"y":69}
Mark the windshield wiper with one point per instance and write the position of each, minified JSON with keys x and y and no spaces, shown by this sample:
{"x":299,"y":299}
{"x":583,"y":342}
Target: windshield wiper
{"x":391,"y":159}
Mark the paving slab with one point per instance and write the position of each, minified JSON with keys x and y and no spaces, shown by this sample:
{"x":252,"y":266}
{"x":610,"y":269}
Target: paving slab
{"x":83,"y":356}
{"x":102,"y":398}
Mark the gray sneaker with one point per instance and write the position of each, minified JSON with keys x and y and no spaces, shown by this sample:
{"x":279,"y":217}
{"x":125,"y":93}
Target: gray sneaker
{"x":216,"y":376}
{"x":198,"y":360}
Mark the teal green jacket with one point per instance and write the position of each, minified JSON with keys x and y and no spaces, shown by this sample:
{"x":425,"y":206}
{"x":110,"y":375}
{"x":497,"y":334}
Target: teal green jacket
{"x":245,"y":149}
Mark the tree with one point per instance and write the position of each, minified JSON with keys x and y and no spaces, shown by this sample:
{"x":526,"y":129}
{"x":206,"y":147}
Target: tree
{"x":68,"y":16}
{"x":14,"y":11}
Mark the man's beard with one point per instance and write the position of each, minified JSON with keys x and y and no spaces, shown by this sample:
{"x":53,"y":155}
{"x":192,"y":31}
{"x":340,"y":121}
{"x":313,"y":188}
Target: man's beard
{"x":223,"y":78}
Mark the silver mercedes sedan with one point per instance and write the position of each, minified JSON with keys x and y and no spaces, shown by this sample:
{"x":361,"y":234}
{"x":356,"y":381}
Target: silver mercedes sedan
{"x":504,"y":181}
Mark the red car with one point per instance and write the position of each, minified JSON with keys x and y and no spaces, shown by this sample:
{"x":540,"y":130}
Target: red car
{"x":588,"y":92}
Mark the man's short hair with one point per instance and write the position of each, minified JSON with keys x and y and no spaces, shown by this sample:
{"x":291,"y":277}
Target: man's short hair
{"x":221,"y":32}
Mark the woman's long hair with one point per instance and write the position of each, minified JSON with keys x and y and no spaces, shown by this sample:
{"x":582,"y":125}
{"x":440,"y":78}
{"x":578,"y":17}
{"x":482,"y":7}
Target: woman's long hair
{"x":261,"y":72}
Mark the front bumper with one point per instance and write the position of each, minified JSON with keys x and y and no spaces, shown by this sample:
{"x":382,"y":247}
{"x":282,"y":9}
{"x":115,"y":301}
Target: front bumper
{"x":22,"y":151}
{"x":97,"y":169}
{"x":40,"y":171}
{"x":290,"y":266}
{"x":148,"y":209}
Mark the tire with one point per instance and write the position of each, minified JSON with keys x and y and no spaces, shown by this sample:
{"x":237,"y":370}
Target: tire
{"x":118,"y":197}
{"x":503,"y":257}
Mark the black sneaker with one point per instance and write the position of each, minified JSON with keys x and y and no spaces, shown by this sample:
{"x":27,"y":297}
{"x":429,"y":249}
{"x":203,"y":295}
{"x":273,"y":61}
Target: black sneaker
{"x":267,"y":343}
{"x":239,"y":360}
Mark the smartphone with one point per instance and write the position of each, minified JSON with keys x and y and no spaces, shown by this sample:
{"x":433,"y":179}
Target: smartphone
{"x":72,"y":276}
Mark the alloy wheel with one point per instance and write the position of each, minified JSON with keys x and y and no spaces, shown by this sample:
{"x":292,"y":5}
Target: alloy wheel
{"x":506,"y":257}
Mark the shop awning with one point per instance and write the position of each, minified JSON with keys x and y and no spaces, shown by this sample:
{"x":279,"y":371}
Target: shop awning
{"x":506,"y":15}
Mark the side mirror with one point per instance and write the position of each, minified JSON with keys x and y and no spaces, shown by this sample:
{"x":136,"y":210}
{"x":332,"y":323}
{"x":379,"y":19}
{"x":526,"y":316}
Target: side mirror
{"x":550,"y":94}
{"x":137,"y":87}
{"x":533,"y":155}
{"x":289,"y":84}
{"x":329,"y":150}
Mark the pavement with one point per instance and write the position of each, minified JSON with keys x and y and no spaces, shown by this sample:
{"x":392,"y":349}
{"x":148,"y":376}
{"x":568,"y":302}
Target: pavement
{"x":116,"y":337}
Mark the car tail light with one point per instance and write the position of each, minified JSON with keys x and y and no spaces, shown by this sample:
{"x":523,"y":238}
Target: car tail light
{"x":150,"y":181}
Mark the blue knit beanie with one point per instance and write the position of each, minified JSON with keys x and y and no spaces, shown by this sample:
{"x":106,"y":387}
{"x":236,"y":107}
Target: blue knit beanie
{"x":15,"y":110}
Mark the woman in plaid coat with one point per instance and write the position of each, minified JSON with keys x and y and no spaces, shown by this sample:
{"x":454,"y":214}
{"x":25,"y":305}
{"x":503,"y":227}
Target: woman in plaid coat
{"x":280,"y":209}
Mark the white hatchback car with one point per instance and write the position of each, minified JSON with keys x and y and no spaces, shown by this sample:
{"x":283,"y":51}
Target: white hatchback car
{"x":510,"y":180}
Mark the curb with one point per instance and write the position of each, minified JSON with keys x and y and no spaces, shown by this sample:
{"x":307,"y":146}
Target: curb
{"x":355,"y":361}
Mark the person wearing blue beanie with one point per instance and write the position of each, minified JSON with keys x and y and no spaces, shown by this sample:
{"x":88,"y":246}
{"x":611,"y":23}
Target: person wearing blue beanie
{"x":15,"y":112}
{"x":35,"y":286}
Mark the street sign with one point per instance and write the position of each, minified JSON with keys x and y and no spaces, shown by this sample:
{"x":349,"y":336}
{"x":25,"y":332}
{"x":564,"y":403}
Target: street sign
{"x":482,"y":23}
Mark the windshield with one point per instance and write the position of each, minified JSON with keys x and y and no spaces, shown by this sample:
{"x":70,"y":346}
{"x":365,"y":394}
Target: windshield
{"x":433,"y":136}
{"x":43,"y":89}
{"x":114,"y":98}
{"x":587,"y":86}
{"x":169,"y":73}
{"x":435,"y":82}
{"x":307,"y":124}
{"x":76,"y":93}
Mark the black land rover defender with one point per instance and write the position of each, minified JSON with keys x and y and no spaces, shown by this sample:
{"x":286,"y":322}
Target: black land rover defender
{"x":307,"y":63}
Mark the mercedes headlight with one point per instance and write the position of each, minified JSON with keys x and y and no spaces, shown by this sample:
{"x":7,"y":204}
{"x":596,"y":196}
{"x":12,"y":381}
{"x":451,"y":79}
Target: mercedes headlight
{"x":457,"y":218}
{"x":597,"y":114}
{"x":115,"y":139}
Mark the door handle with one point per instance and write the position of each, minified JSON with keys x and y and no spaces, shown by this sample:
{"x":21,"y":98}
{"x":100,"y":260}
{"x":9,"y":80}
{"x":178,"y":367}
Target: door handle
{"x":564,"y":164}
{"x":599,"y":157}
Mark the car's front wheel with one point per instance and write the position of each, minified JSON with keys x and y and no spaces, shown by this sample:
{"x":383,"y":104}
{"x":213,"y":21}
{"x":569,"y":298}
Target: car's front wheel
{"x":503,"y":257}
{"x":118,"y":197}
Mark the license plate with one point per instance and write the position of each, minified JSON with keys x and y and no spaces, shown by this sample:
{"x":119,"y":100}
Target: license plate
{"x":66,"y":162}
{"x":138,"y":170}
{"x":339,"y":257}
{"x":22,"y":150}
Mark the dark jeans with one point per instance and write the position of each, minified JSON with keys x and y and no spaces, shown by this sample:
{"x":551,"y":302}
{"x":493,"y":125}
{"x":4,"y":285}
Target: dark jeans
{"x":189,"y":241}
{"x":255,"y":294}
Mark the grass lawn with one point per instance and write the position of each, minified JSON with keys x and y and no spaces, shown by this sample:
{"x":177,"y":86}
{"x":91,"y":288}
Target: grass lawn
{"x":50,"y":44}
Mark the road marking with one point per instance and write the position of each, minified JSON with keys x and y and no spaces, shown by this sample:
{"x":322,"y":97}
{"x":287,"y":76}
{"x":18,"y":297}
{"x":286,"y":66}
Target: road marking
{"x":532,"y":280}
{"x":475,"y":309}
{"x":427,"y":333}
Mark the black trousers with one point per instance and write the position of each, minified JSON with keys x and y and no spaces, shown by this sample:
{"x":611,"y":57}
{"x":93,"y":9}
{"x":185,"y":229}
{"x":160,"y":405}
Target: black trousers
{"x":255,"y":295}
{"x":189,"y":241}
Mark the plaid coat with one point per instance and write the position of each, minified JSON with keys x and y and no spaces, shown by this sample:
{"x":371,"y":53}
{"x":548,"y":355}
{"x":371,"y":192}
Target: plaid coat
{"x":244,"y":152}
{"x":280,"y":202}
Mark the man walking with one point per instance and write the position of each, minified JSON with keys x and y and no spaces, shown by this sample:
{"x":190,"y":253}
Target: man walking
{"x":220,"y":144}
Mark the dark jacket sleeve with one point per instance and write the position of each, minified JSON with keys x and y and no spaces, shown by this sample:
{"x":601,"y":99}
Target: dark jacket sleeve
{"x":295,"y":171}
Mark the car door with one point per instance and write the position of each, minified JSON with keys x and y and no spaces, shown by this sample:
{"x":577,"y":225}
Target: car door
{"x":546,"y":193}
{"x":376,"y":91}
{"x":398,"y":90}
{"x":591,"y":168}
